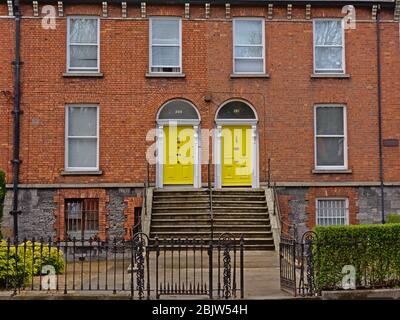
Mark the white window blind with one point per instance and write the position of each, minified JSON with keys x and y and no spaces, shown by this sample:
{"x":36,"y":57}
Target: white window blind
{"x":83,"y":44}
{"x":328,"y":46}
{"x":248,"y":51}
{"x":165,"y":45}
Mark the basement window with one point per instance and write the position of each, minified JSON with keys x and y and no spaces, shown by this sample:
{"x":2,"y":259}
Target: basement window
{"x":165,"y":45}
{"x":81,"y":218}
{"x":83,"y":49}
{"x":332,"y":212}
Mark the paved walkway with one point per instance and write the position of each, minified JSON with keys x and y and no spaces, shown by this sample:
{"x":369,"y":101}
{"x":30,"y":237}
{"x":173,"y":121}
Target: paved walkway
{"x":261,"y":277}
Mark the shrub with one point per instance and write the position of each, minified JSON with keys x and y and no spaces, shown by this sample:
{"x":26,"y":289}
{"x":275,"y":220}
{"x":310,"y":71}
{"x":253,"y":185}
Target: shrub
{"x":373,"y":250}
{"x":393,"y":218}
{"x":17,"y":263}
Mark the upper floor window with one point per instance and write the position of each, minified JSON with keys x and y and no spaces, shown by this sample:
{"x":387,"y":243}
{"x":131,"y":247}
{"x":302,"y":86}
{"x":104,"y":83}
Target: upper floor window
{"x":82,"y":138}
{"x":332,"y":212}
{"x":248,"y":49}
{"x":330,"y":137}
{"x":83,"y":44}
{"x":329,"y":46}
{"x":166,"y":45}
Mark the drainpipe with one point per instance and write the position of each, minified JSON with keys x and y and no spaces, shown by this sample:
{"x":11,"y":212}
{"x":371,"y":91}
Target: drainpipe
{"x":379,"y":71}
{"x":16,"y":115}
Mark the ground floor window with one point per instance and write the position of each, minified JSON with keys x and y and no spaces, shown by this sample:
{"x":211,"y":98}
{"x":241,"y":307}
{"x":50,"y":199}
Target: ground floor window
{"x":332,"y":212}
{"x":81,"y":218}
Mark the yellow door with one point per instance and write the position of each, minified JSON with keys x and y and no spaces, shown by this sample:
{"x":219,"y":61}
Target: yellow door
{"x":236,"y":156}
{"x":178,"y":155}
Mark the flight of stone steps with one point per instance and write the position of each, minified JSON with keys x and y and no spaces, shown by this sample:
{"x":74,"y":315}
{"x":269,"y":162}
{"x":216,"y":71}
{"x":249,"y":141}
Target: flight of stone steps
{"x":185,"y":213}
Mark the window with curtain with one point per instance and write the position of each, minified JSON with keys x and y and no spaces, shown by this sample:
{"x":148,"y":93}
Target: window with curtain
{"x":332,"y":212}
{"x":330,"y":137}
{"x":82,"y":142}
{"x":83,"y":44}
{"x":329,"y":46}
{"x":248,"y":51}
{"x":165,"y":45}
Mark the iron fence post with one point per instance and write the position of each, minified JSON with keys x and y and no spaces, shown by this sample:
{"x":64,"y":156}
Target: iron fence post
{"x":241,"y":267}
{"x":210,"y":268}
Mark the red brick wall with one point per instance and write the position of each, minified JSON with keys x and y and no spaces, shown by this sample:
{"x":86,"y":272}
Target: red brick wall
{"x":129,"y":101}
{"x":132,"y":203}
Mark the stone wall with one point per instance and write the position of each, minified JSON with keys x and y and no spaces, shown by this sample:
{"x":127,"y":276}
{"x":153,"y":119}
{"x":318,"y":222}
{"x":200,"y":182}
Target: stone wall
{"x":37,"y":218}
{"x":40,"y":210}
{"x":370,"y":203}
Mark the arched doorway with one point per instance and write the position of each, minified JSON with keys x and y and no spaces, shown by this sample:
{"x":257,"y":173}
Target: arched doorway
{"x":236,"y":145}
{"x":178,"y":162}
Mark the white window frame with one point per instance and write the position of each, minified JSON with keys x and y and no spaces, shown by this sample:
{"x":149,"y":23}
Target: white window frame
{"x":238,"y":45}
{"x":69,"y":44}
{"x":151,"y":19}
{"x":344,"y":136}
{"x":343,"y":46}
{"x":67,"y":137}
{"x":346,"y":200}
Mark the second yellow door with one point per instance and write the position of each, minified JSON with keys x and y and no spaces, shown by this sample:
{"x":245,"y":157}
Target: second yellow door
{"x":236,"y":156}
{"x":178,"y":155}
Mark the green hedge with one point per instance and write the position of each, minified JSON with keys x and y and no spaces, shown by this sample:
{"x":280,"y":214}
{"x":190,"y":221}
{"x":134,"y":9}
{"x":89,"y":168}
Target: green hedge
{"x":374,"y":251}
{"x":16,"y":267}
{"x":393,"y":218}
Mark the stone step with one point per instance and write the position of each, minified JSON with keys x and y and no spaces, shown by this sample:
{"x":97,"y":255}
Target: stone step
{"x":239,"y":192}
{"x":253,"y":204}
{"x":264,"y":235}
{"x":177,"y":203}
{"x":239,"y":209}
{"x":191,"y":209}
{"x":181,"y":197}
{"x":177,"y":220}
{"x":238,"y":198}
{"x":206,"y":228}
{"x":206,"y":215}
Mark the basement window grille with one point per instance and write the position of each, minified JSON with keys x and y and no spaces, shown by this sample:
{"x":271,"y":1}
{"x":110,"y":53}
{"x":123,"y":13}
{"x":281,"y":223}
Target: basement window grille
{"x":332,"y":212}
{"x":81,"y":218}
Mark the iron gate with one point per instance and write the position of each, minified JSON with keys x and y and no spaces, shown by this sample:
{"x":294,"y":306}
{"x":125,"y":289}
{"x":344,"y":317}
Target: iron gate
{"x":298,"y":269}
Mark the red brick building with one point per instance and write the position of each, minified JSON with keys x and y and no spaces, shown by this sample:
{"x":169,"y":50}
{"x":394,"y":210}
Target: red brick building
{"x":302,"y":77}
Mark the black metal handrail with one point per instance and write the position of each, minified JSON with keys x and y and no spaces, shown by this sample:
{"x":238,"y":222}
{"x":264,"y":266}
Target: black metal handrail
{"x":211,"y":201}
{"x":277,"y":211}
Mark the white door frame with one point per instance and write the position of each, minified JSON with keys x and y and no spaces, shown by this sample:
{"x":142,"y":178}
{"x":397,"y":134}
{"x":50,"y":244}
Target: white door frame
{"x":218,"y":147}
{"x":160,"y":150}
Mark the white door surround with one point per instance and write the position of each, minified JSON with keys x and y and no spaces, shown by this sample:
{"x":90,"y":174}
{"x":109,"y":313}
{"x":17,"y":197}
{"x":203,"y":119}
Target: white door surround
{"x":218,"y":145}
{"x":164,"y":122}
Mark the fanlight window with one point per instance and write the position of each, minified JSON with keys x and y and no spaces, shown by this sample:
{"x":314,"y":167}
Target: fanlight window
{"x":236,"y":110}
{"x":178,"y":110}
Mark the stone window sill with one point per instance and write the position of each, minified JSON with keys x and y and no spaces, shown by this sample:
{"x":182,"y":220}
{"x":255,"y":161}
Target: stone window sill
{"x":249,"y":75}
{"x":83,"y":75}
{"x":165,"y":75}
{"x":82,"y":173}
{"x":328,"y":171}
{"x":330,"y":76}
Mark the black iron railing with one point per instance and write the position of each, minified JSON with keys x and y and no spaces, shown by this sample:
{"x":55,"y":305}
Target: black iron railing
{"x":138,"y":266}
